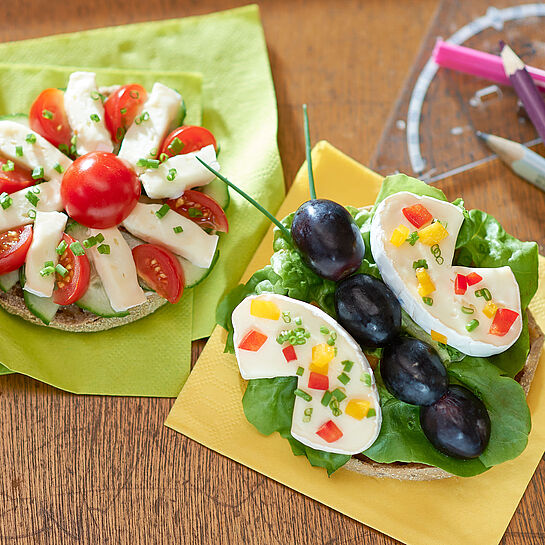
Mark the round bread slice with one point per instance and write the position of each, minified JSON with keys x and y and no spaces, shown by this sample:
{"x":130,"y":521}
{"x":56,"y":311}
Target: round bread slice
{"x":421,"y":472}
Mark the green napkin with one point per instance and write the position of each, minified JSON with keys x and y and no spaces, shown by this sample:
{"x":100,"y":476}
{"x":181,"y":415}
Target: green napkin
{"x":150,"y":357}
{"x":239,"y":107}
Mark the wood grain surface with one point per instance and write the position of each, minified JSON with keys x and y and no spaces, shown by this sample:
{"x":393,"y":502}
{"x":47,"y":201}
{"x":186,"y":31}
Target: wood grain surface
{"x":104,"y":470}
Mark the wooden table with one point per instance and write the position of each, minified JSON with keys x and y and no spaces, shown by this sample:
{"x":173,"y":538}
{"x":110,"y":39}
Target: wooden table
{"x":82,"y":469}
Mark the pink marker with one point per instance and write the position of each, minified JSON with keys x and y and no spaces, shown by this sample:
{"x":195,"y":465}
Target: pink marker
{"x":478,"y":63}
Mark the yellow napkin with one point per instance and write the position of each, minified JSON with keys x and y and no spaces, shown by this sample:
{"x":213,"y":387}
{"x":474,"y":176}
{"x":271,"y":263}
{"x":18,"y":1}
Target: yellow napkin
{"x":473,"y":511}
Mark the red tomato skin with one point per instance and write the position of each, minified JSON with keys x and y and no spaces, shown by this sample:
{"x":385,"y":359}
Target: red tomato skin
{"x":503,"y":320}
{"x":99,"y":190}
{"x":14,"y":180}
{"x":473,"y":278}
{"x":460,"y":284}
{"x":193,"y":137}
{"x":329,"y":432}
{"x":152,"y":261}
{"x":317,"y":381}
{"x":56,"y":130}
{"x":417,"y":214}
{"x":129,"y":97}
{"x":12,"y":256}
{"x":213,"y":215}
{"x":77,"y":280}
{"x":252,"y":341}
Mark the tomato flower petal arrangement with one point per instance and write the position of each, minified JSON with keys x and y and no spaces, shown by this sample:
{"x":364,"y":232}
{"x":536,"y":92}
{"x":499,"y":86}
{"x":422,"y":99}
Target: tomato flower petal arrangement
{"x":392,"y":340}
{"x":106,"y":212}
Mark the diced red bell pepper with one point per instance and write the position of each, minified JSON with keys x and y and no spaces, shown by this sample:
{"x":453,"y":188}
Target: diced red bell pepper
{"x":252,"y":341}
{"x":503,"y":320}
{"x":460,"y":284}
{"x":473,"y":278}
{"x":289,"y":353}
{"x":317,"y":381}
{"x":418,"y":215}
{"x":329,"y":432}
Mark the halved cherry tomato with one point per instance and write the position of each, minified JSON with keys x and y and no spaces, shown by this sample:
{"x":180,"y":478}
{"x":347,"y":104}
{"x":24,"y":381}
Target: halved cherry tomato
{"x":99,"y":190}
{"x":160,"y":270}
{"x":418,"y":215}
{"x":201,"y":209}
{"x":75,"y":283}
{"x":329,"y":432}
{"x":48,"y":117}
{"x":253,"y":341}
{"x":121,"y":107}
{"x":13,"y":180}
{"x":14,"y":245}
{"x":317,"y":381}
{"x":186,"y":139}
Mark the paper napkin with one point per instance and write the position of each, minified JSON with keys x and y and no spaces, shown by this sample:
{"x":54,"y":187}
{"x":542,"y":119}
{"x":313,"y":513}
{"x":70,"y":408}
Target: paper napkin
{"x":445,"y":512}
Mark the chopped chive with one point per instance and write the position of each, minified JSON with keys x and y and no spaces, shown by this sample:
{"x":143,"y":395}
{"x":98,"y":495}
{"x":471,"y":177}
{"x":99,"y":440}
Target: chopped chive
{"x":163,"y":157}
{"x":194,"y":212}
{"x":49,"y":264}
{"x":95,"y":118}
{"x":46,"y":271}
{"x":19,"y":151}
{"x":472,"y":325}
{"x":336,"y":412}
{"x":32,"y":198}
{"x":326,"y":398}
{"x":153,"y":152}
{"x":30,"y":138}
{"x":347,"y":364}
{"x":334,"y":403}
{"x":63,"y":271}
{"x":143,"y":117}
{"x":89,"y":242}
{"x":47,"y":114}
{"x":59,"y":168}
{"x":330,"y":342}
{"x":300,"y":371}
{"x":61,"y":248}
{"x":308,"y":411}
{"x":103,"y":249}
{"x":427,"y":301}
{"x":5,"y":200}
{"x":148,"y":163}
{"x":334,"y":335}
{"x":120,"y":133}
{"x":286,"y":316}
{"x":338,"y":394}
{"x":176,"y":146}
{"x":77,"y":248}
{"x":178,"y":229}
{"x":412,"y":238}
{"x":99,"y":238}
{"x":38,"y":173}
{"x":302,"y":394}
{"x":171,"y":174}
{"x":485,"y":292}
{"x":134,"y":94}
{"x":324,"y":330}
{"x":298,"y":320}
{"x":8,"y":166}
{"x":95,"y":95}
{"x":420,"y":264}
{"x":371,"y":412}
{"x":35,"y":189}
{"x":31,"y":214}
{"x":123,"y":111}
{"x":64,"y":149}
{"x":163,"y":211}
{"x":366,"y":379}
{"x":344,"y":378}
{"x":468,"y":310}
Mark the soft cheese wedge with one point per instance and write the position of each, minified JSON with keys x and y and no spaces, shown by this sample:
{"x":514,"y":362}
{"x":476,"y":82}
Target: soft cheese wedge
{"x":145,"y":135}
{"x":116,"y":269}
{"x":337,"y":406}
{"x":48,"y":231}
{"x":148,"y":223}
{"x":179,"y":173}
{"x":476,"y":311}
{"x":85,"y":113}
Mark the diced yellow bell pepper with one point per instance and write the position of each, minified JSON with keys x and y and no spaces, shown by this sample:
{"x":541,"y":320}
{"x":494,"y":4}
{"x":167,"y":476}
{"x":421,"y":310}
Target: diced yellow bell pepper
{"x":425,"y":283}
{"x":490,"y":309}
{"x":438,"y":337}
{"x":322,"y":354}
{"x":358,"y":408}
{"x":432,"y":234}
{"x":261,"y":308}
{"x":399,"y":235}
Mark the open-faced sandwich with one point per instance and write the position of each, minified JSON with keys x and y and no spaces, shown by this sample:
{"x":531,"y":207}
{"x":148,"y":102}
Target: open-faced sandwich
{"x":105,"y":212}
{"x":393,"y":340}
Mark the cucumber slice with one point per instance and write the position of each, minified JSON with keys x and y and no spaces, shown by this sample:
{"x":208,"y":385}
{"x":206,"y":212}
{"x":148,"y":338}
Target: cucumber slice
{"x":96,"y":301}
{"x":195,"y":275}
{"x":42,"y":307}
{"x":219,"y":191}
{"x":8,"y":280}
{"x":18,"y":118}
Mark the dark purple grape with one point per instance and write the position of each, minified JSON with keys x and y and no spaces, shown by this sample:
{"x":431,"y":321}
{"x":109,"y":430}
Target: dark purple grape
{"x":458,"y":424}
{"x":328,"y":238}
{"x":413,"y":372}
{"x":368,"y":309}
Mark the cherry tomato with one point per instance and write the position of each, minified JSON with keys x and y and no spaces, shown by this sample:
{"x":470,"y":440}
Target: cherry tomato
{"x":14,"y":245}
{"x":99,"y":190}
{"x":201,"y":209}
{"x":13,"y":180}
{"x":160,"y":270}
{"x":186,"y":139}
{"x":48,"y":117}
{"x":121,"y":107}
{"x":71,"y":287}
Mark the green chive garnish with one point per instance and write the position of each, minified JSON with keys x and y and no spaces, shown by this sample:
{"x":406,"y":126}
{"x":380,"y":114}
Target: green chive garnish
{"x":38,"y":173}
{"x":95,"y":95}
{"x":298,"y":320}
{"x":300,"y":371}
{"x":344,"y":378}
{"x":134,"y":94}
{"x":303,"y":395}
{"x":89,"y":242}
{"x":371,"y":412}
{"x":324,"y":330}
{"x":162,"y":212}
{"x":163,"y":157}
{"x":472,"y":325}
{"x":61,"y":248}
{"x":123,"y":111}
{"x":485,"y":292}
{"x":8,"y":166}
{"x":19,"y":151}
{"x":32,"y":198}
{"x":77,"y":248}
{"x":30,"y":138}
{"x":31,"y":214}
{"x":336,"y":412}
{"x":338,"y":394}
{"x":95,"y":118}
{"x":194,"y":213}
{"x":326,"y":398}
{"x":153,"y":152}
{"x":120,"y":133}
{"x":468,"y":310}
{"x":103,"y":249}
{"x":286,"y":316}
{"x":171,"y":174}
{"x":330,"y":342}
{"x":178,"y":229}
{"x":176,"y":146}
{"x":46,"y":271}
{"x":412,"y":238}
{"x":347,"y":364}
{"x":5,"y":200}
{"x":420,"y":264}
{"x":366,"y":379}
{"x":427,"y":301}
{"x":148,"y":163}
{"x":99,"y":238}
{"x":59,"y":168}
{"x":61,"y":270}
{"x":47,"y":114}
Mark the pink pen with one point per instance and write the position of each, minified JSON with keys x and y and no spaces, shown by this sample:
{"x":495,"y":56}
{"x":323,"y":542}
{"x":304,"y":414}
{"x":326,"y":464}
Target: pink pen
{"x":478,"y":63}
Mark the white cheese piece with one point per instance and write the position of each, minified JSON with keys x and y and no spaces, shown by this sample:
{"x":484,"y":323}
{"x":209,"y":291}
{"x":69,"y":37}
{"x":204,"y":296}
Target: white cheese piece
{"x":269,"y":361}
{"x":117,"y":270}
{"x":145,"y":135}
{"x":445,"y":315}
{"x":86,"y":114}
{"x":47,"y":233}
{"x":186,"y":172}
{"x":195,"y":244}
